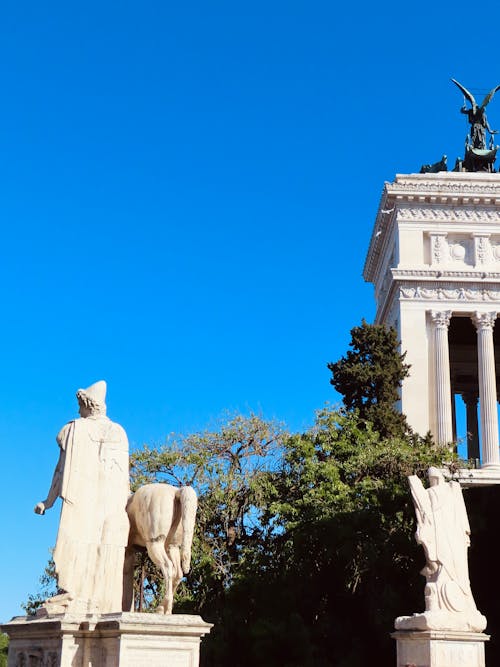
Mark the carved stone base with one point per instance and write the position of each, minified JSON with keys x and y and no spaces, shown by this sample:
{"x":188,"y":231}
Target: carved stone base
{"x":108,"y":640}
{"x":440,"y":649}
{"x":445,"y":621}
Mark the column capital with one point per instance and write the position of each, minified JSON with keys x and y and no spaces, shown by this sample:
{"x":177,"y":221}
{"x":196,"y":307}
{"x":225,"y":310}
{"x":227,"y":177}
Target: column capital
{"x":441,"y":318}
{"x":484,"y":321}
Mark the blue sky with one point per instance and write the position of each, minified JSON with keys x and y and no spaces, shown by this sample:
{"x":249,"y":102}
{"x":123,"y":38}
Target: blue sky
{"x":187,"y":196}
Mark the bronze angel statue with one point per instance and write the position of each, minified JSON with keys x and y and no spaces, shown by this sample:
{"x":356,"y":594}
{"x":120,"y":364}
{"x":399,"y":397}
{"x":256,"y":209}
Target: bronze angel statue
{"x":477,"y":116}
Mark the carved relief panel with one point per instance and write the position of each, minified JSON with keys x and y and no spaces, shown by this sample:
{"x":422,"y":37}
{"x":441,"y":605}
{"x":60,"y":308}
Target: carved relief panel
{"x":461,"y":250}
{"x":37,"y":658}
{"x":482,"y":250}
{"x":494,"y":247}
{"x":438,"y":249}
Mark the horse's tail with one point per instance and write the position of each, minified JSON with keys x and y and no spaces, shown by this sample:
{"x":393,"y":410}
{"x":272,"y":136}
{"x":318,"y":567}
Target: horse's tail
{"x":189,"y":503}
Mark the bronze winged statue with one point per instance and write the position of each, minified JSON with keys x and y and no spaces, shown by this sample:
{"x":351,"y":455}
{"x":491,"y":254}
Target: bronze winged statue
{"x":477,"y":116}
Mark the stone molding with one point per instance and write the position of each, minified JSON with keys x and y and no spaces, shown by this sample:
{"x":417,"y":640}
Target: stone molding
{"x":430,"y":213}
{"x":446,"y":182}
{"x":449,"y":294}
{"x":445,"y":273}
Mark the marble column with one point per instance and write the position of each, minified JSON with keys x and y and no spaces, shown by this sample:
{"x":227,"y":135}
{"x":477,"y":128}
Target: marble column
{"x":484,"y":323}
{"x":470,"y":399}
{"x":444,"y":431}
{"x":454,"y":417}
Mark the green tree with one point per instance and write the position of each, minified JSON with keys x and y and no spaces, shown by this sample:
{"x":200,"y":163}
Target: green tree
{"x":369,"y":377}
{"x":4,"y":649}
{"x":347,"y":561}
{"x":335,"y":560}
{"x":48,"y":588}
{"x":226,"y":466}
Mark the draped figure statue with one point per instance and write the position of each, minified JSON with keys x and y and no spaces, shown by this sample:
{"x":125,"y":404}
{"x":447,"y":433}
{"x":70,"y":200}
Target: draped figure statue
{"x":92,"y":478}
{"x":443,"y":530}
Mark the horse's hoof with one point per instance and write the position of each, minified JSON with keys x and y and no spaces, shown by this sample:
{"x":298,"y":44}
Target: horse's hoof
{"x":159,"y":610}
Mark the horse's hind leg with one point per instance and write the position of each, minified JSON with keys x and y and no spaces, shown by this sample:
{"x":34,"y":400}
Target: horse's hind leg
{"x":174,"y":554}
{"x":158,"y":555}
{"x":128,"y":579}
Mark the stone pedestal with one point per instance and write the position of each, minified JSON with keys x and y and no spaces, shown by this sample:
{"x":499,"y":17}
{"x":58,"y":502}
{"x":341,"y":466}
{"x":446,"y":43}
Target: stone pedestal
{"x":435,"y":648}
{"x":106,"y":640}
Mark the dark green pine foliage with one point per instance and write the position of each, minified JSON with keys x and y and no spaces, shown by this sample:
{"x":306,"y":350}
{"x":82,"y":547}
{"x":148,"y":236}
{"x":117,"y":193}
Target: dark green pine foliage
{"x":369,"y":377}
{"x":4,"y":648}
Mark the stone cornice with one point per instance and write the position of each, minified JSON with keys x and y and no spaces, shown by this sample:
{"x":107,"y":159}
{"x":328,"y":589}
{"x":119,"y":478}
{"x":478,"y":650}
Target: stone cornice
{"x":379,"y":237}
{"x":464,"y":214}
{"x":446,"y":184}
{"x":449,"y":294}
{"x":454,"y":197}
{"x":432,"y":274}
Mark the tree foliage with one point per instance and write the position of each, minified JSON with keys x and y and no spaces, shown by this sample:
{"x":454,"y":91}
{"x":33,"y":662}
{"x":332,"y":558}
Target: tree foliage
{"x":4,"y":648}
{"x":369,"y":377}
{"x":302,"y":540}
{"x":227,"y":467}
{"x":47,"y":588}
{"x":348,"y":524}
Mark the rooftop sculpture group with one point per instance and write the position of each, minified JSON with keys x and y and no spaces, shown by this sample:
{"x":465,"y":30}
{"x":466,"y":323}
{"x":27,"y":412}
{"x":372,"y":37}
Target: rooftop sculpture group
{"x":479,"y":155}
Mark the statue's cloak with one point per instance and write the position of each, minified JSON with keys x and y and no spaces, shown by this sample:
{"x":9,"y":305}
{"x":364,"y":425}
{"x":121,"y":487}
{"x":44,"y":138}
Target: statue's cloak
{"x":93,"y":529}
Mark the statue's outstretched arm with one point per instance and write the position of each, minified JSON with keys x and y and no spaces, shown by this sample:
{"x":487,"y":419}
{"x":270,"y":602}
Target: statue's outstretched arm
{"x":55,"y":487}
{"x":487,"y":126}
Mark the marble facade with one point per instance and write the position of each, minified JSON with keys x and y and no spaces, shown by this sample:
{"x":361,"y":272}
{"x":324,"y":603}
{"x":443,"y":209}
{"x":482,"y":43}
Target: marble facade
{"x":434,"y":259}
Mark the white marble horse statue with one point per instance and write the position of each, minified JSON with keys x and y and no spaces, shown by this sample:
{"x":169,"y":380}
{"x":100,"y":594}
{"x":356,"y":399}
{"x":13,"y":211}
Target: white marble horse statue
{"x":162,"y":519}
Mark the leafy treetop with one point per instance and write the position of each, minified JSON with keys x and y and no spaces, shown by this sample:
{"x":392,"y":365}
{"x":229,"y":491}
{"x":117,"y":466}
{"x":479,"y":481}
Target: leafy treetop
{"x":369,"y":377}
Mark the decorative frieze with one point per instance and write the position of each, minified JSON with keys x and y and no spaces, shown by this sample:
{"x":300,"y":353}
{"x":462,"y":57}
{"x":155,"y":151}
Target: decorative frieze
{"x":419,"y":293}
{"x":445,"y":273}
{"x":441,"y":185}
{"x":454,"y":215}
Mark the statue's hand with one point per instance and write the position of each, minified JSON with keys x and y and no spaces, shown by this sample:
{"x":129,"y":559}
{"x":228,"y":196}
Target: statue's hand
{"x":40,"y":508}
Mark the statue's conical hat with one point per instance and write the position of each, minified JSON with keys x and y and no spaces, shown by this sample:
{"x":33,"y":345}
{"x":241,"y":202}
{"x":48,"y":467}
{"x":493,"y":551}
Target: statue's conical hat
{"x":96,"y":392}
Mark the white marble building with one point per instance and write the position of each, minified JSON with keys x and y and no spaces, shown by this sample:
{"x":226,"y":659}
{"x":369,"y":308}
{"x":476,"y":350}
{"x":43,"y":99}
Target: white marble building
{"x":434,"y":259}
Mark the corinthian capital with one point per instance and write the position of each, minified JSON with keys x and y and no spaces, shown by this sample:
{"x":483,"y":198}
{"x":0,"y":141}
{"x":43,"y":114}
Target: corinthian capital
{"x":441,"y":318}
{"x":484,"y":321}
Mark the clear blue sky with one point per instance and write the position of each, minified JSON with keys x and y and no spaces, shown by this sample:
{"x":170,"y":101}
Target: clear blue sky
{"x":187,"y":195}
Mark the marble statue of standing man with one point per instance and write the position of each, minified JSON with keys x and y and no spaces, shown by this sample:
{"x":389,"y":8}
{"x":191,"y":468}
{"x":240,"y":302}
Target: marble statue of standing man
{"x":92,"y":478}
